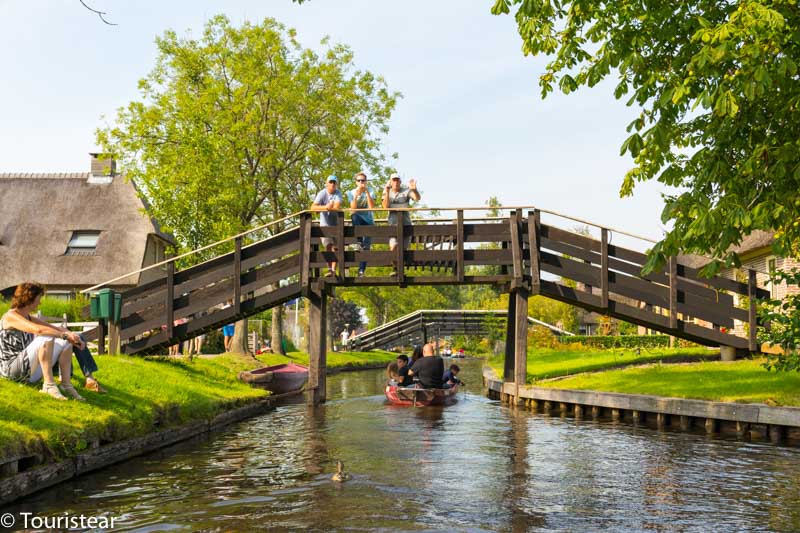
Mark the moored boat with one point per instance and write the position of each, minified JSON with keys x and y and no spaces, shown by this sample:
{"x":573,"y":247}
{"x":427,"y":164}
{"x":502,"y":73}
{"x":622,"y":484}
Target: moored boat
{"x":279,"y":379}
{"x":413,"y":397}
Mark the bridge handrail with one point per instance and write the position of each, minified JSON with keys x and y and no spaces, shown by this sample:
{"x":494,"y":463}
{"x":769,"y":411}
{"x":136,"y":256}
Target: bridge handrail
{"x":347,"y":209}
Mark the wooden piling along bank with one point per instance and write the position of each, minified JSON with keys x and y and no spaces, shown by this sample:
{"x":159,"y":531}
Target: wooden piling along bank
{"x":780,"y":425}
{"x":526,"y":258}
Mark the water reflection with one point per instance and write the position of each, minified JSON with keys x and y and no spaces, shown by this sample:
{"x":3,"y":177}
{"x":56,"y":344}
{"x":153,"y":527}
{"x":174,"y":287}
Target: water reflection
{"x":473,"y":466}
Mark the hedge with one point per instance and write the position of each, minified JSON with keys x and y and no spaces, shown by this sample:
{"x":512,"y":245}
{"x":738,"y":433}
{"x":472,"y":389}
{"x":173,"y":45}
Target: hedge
{"x":618,"y":341}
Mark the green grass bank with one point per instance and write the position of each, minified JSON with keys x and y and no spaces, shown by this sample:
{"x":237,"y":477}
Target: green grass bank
{"x":545,"y":363}
{"x":144,"y":395}
{"x":743,"y":381}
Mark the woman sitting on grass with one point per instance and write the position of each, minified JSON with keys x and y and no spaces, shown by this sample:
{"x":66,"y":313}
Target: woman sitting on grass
{"x":29,"y":347}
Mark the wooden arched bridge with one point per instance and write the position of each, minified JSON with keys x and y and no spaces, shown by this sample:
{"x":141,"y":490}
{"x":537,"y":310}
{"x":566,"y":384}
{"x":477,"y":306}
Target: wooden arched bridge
{"x":518,"y":253}
{"x":425,"y":324}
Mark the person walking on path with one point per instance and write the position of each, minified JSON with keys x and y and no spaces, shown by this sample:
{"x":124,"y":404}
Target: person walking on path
{"x":328,"y":202}
{"x":361,"y":198}
{"x":396,"y":196}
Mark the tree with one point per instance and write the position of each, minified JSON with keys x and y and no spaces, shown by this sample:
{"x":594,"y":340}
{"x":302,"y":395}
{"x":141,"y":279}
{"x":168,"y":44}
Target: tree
{"x":241,"y":126}
{"x":716,"y":83}
{"x":383,"y":304}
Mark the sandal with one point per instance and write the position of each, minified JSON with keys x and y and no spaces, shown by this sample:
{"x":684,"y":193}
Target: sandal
{"x":94,"y":386}
{"x":52,"y":390}
{"x":70,"y":390}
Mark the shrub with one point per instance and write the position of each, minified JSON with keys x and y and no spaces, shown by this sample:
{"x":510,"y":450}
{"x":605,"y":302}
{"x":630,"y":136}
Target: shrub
{"x":618,"y":341}
{"x":56,"y":307}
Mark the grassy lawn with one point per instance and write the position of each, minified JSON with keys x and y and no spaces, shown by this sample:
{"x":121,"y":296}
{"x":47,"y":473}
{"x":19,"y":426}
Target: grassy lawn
{"x":334,"y":359}
{"x":143,"y":395}
{"x":739,"y":381}
{"x":546,"y":363}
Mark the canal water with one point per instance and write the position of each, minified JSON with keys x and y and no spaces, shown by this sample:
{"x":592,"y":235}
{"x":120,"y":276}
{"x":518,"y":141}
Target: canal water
{"x":472,"y":466}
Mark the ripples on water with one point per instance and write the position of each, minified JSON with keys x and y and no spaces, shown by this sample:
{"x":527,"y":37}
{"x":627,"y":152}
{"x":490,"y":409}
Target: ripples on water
{"x":473,"y":466}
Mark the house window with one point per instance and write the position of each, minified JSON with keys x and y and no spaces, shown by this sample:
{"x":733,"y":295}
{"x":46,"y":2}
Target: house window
{"x":83,"y":243}
{"x":772,"y":266}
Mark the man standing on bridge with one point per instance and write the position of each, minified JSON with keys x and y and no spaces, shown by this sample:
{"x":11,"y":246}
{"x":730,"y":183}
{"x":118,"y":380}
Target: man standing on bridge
{"x":361,"y":198}
{"x":429,"y":369}
{"x":395,"y":196}
{"x":328,"y":201}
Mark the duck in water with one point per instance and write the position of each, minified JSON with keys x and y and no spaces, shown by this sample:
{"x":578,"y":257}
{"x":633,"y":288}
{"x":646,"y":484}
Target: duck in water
{"x":340,"y":474}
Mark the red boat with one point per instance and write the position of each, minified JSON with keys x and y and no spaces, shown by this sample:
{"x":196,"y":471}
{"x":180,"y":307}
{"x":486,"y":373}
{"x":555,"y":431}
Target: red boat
{"x":411,"y":397}
{"x":279,"y":379}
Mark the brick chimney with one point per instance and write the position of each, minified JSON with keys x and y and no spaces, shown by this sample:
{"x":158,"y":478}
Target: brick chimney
{"x":103,"y":167}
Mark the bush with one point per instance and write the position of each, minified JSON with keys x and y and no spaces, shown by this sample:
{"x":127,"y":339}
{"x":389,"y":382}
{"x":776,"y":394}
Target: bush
{"x":618,"y":341}
{"x":56,"y":307}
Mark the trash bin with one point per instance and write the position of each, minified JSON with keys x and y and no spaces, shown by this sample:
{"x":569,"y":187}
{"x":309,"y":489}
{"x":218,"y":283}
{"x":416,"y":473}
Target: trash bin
{"x":94,"y":307}
{"x":117,"y":307}
{"x":106,"y":297}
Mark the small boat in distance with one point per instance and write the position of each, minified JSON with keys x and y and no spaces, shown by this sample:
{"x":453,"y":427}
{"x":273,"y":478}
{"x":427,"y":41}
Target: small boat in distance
{"x":412,"y":397}
{"x":279,"y":379}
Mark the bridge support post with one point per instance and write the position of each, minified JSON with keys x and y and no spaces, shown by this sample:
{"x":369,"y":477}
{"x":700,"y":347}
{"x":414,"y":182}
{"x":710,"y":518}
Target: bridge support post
{"x":511,"y":321}
{"x":520,"y":297}
{"x":317,"y":345}
{"x":515,"y":368}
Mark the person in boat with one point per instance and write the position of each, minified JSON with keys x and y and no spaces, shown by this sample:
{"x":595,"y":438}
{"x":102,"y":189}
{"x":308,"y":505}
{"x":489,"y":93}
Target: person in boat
{"x":392,"y":373}
{"x":328,"y":202}
{"x":429,"y":370}
{"x":416,"y":355}
{"x":30,"y":347}
{"x":450,"y":377}
{"x":402,"y":371}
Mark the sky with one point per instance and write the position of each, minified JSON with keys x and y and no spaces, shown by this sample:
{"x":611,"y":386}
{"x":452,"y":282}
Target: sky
{"x":471,"y":123}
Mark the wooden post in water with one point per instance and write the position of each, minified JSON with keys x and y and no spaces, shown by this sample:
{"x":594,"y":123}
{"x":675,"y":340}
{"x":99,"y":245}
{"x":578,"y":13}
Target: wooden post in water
{"x":520,"y":297}
{"x":317,"y":345}
{"x":511,"y":327}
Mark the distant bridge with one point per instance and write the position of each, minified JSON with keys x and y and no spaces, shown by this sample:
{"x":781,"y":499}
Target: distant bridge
{"x":419,"y":326}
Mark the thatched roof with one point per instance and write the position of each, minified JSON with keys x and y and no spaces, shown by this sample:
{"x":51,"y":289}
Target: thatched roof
{"x":40,"y":212}
{"x":757,"y":240}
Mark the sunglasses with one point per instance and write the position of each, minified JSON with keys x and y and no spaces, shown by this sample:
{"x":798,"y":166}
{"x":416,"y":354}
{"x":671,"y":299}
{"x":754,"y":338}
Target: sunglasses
{"x":361,"y":181}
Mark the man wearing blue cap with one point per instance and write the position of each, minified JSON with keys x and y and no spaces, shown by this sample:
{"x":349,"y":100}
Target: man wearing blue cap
{"x":328,"y":201}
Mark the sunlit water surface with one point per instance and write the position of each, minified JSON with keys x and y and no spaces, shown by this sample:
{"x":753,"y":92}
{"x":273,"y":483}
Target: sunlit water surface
{"x":473,"y":466}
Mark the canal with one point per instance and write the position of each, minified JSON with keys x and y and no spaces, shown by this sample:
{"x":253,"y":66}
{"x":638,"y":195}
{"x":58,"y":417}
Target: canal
{"x":473,"y":466}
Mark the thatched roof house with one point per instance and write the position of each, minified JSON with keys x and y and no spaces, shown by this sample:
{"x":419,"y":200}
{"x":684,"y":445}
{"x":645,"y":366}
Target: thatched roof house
{"x":73,"y":230}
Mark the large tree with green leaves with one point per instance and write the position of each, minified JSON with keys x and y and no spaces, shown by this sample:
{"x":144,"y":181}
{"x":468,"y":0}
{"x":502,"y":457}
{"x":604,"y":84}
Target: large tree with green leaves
{"x":240,"y":126}
{"x":717,"y":86}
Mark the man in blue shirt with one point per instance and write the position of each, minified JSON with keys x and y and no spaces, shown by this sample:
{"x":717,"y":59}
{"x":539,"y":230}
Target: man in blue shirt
{"x":361,"y":198}
{"x":328,"y":201}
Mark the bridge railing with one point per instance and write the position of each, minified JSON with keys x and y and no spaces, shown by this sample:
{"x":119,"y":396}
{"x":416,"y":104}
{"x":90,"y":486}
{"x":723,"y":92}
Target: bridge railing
{"x":514,"y":251}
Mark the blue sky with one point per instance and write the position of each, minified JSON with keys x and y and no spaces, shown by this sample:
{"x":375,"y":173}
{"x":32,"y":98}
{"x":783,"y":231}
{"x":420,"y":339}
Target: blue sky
{"x":470,"y":124}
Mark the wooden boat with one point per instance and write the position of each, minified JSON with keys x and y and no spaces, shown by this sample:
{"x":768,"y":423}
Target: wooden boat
{"x":411,"y":397}
{"x":279,"y":379}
